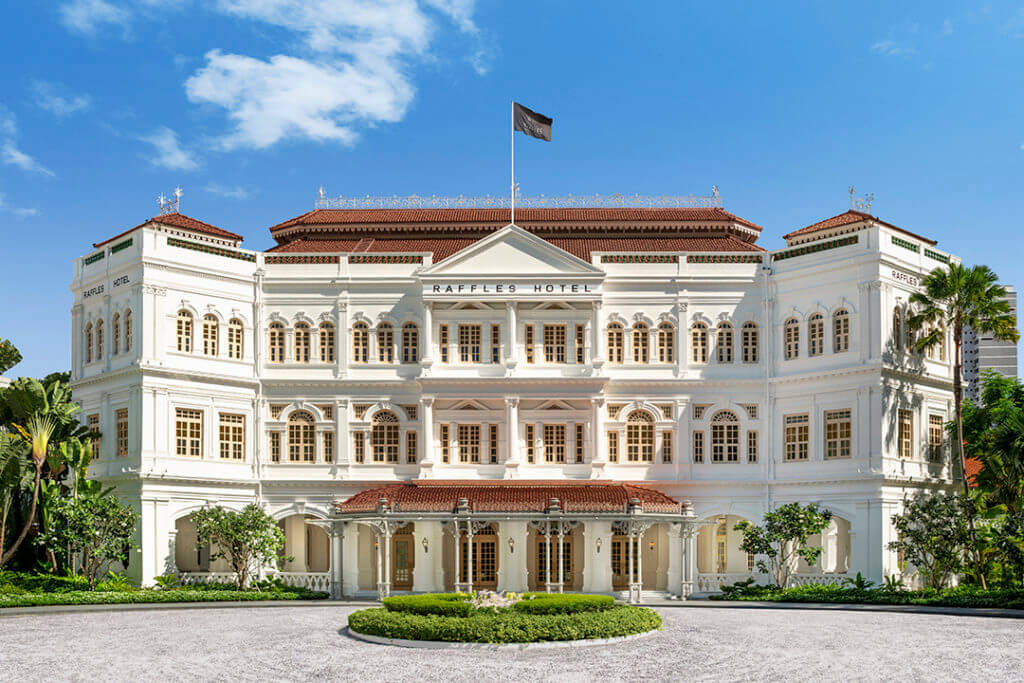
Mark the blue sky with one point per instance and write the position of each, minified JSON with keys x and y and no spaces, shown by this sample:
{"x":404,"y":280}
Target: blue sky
{"x":250,"y":105}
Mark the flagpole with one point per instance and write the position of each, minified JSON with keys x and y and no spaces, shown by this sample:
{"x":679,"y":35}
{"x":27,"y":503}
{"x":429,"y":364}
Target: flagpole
{"x":512,"y":189}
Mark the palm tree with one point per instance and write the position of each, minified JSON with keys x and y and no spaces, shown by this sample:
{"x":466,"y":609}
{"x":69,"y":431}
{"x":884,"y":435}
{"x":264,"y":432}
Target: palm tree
{"x":36,"y":432}
{"x":960,"y":297}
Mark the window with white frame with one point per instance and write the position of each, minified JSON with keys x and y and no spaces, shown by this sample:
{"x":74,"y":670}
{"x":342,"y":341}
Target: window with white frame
{"x":385,"y":343}
{"x":841,"y":331}
{"x":906,"y":433}
{"x":581,"y":343}
{"x":445,"y":438}
{"x":232,"y":436}
{"x":410,"y":343}
{"x":274,"y":439}
{"x":554,"y":443}
{"x":580,"y":442}
{"x":327,"y":342}
{"x":236,"y":335}
{"x":838,"y":433}
{"x":275,"y":342}
{"x":666,"y":343}
{"x":211,"y":336}
{"x":816,"y":334}
{"x":411,"y":446}
{"x":188,"y":432}
{"x":128,"y":330}
{"x":751,"y":446}
{"x":492,"y":444}
{"x":99,"y":339}
{"x":792,"y":338}
{"x":443,"y":342}
{"x":698,"y":446}
{"x":639,"y":437}
{"x":897,"y":329}
{"x":495,"y":343}
{"x":360,"y":342}
{"x":935,"y":423}
{"x":723,"y":343}
{"x":615,"y":343}
{"x":667,"y":438}
{"x":797,"y":430}
{"x":529,"y":436}
{"x":554,"y":343}
{"x":301,"y":437}
{"x":88,"y":343}
{"x":94,"y":430}
{"x":613,"y":446}
{"x":529,"y":344}
{"x":384,"y":437}
{"x":115,"y":330}
{"x":469,"y":443}
{"x":327,"y":443}
{"x":359,"y":446}
{"x":121,"y":418}
{"x":725,"y":437}
{"x":699,"y":343}
{"x":303,"y":341}
{"x":750,"y":341}
{"x":184,"y":332}
{"x":641,"y":343}
{"x":469,"y":343}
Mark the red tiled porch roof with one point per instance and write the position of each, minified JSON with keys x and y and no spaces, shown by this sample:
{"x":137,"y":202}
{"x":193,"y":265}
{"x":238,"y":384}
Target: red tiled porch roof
{"x":510,"y":496}
{"x":182,"y":222}
{"x":849,"y":218}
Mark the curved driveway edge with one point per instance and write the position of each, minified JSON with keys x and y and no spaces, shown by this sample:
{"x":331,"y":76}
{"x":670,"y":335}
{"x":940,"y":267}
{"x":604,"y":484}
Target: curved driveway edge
{"x":446,"y":645}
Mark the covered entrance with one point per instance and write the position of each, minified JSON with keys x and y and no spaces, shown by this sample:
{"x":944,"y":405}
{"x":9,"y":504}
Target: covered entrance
{"x":404,"y":558}
{"x":480,"y":569}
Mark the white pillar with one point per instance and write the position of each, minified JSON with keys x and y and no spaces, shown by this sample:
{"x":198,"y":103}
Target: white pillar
{"x":511,"y":353}
{"x":597,"y":557}
{"x":512,"y":571}
{"x":512,"y":427}
{"x":295,"y":536}
{"x":335,"y":534}
{"x":427,"y":352}
{"x":595,"y":335}
{"x":676,"y":560}
{"x":598,"y":448}
{"x":350,"y":559}
{"x":427,"y":459}
{"x":561,"y":564}
{"x":428,"y":570}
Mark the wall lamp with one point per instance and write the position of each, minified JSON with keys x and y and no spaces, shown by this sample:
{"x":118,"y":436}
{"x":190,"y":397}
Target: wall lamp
{"x":598,"y":544}
{"x":651,"y":545}
{"x":511,"y":545}
{"x":426,"y":546}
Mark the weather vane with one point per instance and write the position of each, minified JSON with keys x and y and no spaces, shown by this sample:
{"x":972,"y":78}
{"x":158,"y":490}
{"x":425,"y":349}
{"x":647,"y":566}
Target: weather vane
{"x":170,"y":206}
{"x":862,"y":204}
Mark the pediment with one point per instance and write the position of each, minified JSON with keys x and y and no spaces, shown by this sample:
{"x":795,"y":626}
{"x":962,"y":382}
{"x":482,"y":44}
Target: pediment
{"x":512,"y":251}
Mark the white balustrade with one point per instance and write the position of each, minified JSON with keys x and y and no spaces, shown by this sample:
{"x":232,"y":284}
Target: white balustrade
{"x":314,"y":581}
{"x":206,"y":577}
{"x":712,"y":583}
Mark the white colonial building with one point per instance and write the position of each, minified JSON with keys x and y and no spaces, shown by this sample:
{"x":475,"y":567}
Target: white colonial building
{"x":616,"y":387}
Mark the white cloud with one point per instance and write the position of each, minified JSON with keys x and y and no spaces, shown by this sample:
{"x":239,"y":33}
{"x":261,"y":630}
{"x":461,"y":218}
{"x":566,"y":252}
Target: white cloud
{"x":890,"y":48}
{"x":353,"y":71}
{"x":947,"y":27}
{"x":9,"y":152}
{"x":169,"y":152}
{"x":19,"y":212}
{"x":236,"y":192}
{"x":86,"y":16}
{"x":48,"y":96}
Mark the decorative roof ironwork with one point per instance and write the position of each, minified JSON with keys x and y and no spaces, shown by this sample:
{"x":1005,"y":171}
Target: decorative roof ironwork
{"x":608,"y":201}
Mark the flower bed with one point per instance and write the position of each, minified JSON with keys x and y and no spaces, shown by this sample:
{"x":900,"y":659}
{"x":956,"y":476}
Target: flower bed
{"x":963,"y":596}
{"x":527,"y":618}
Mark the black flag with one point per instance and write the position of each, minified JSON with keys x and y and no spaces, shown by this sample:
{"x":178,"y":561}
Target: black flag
{"x":531,"y":123}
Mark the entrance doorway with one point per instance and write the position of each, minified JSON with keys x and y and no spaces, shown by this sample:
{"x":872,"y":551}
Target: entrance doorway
{"x":403,"y":559}
{"x":545,"y":548}
{"x":620,"y":562}
{"x":485,"y":558}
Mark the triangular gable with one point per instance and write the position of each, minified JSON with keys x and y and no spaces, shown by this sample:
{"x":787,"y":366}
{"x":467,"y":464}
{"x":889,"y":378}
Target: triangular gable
{"x":512,"y":250}
{"x":470,"y":405}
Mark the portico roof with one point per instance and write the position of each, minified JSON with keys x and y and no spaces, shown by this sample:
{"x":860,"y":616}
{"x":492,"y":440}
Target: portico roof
{"x":511,"y":496}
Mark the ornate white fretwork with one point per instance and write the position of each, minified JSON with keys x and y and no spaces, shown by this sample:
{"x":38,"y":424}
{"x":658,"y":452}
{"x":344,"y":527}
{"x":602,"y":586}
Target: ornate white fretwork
{"x":608,"y":201}
{"x":170,"y":206}
{"x":862,"y":204}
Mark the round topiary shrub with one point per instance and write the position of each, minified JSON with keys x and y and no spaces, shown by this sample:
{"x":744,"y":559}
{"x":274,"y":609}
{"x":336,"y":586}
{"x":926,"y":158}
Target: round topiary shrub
{"x":529,"y":618}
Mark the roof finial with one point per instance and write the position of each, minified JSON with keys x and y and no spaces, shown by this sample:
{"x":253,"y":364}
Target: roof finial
{"x":321,"y":198}
{"x":169,"y":206}
{"x":862,"y":204}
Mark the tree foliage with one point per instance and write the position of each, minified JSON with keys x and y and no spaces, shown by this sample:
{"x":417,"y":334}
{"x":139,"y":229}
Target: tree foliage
{"x":97,"y":528}
{"x":247,"y":539}
{"x":933,"y":535}
{"x":9,"y":355}
{"x":781,"y":540}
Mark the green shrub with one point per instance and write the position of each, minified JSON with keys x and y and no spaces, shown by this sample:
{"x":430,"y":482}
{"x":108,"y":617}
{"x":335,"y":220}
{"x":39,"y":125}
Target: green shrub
{"x":962,"y":596}
{"x":42,"y":583}
{"x":508,"y":627}
{"x":563,"y":603}
{"x":150,"y":596}
{"x":439,"y":604}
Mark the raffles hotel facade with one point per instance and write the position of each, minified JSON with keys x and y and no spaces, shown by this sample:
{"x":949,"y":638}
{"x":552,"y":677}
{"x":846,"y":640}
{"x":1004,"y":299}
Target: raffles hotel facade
{"x":589,"y":399}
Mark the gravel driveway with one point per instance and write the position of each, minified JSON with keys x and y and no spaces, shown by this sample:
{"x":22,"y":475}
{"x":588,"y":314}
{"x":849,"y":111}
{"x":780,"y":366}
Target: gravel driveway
{"x":305,"y":643}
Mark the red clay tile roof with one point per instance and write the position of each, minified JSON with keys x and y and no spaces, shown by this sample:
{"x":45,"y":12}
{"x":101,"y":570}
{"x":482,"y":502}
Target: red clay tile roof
{"x":510,"y":496}
{"x":581,"y":247}
{"x":848,"y":218}
{"x":501,"y":216}
{"x":182,"y":222}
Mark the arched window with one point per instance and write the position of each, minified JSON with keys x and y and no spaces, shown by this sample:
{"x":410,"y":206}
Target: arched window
{"x":640,"y":437}
{"x":723,"y":343}
{"x":99,"y":339}
{"x":210,"y":336}
{"x":897,"y":329}
{"x":302,"y":342}
{"x":725,"y":437}
{"x":666,"y":343}
{"x":128,"y":330}
{"x":615,"y":342}
{"x":840,"y":331}
{"x":184,"y":331}
{"x":385,"y":343}
{"x":236,"y":335}
{"x":301,"y":437}
{"x":384,"y":437}
{"x":792,"y":338}
{"x":816,"y":335}
{"x":410,"y":343}
{"x":360,"y":343}
{"x":699,"y":343}
{"x":88,"y":342}
{"x":115,"y":331}
{"x":641,"y":343}
{"x":750,"y":342}
{"x":275,"y":342}
{"x":327,"y":341}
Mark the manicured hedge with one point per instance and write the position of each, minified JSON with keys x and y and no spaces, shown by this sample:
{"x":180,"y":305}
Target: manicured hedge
{"x":458,"y":604}
{"x":563,"y":603}
{"x":150,"y":596}
{"x":507,"y":627}
{"x":963,"y":596}
{"x":439,"y":604}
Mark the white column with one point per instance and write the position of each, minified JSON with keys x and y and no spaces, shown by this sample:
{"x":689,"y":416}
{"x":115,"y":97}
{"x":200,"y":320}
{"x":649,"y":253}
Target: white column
{"x":428,"y":333}
{"x":596,"y":357}
{"x":690,"y":576}
{"x":350,"y":559}
{"x":335,"y":534}
{"x":512,"y":571}
{"x":676,"y":561}
{"x":512,"y":457}
{"x":295,"y":535}
{"x":682,"y":338}
{"x":597,"y":557}
{"x":598,"y":448}
{"x":512,"y":352}
{"x":429,"y":447}
{"x":342,"y":341}
{"x":428,"y":570}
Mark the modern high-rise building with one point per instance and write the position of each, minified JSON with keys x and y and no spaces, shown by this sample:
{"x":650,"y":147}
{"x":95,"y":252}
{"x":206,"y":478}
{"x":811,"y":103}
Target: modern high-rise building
{"x":985,"y":352}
